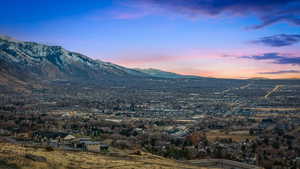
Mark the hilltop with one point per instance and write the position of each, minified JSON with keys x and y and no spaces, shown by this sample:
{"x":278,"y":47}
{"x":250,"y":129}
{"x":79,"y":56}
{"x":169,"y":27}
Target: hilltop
{"x":15,"y":157}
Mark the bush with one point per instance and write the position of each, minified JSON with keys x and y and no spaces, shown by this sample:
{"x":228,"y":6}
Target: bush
{"x":49,"y":149}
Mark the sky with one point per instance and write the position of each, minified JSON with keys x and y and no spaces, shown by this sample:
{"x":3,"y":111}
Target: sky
{"x":213,"y":38}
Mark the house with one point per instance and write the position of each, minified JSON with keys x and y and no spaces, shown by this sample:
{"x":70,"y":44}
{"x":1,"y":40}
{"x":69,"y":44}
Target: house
{"x":104,"y":147}
{"x":48,"y":136}
{"x":4,"y":132}
{"x":69,"y":137}
{"x":255,"y":131}
{"x":265,"y":123}
{"x":87,"y":144}
{"x":91,"y":146}
{"x":94,"y":146}
{"x":297,"y":160}
{"x":78,"y":142}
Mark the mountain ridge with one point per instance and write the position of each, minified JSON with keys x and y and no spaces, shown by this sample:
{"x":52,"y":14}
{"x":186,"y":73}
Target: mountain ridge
{"x":51,"y":62}
{"x":31,"y":60}
{"x":164,"y":74}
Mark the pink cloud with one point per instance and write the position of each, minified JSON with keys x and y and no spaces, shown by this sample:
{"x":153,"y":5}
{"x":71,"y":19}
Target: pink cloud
{"x":201,"y":62}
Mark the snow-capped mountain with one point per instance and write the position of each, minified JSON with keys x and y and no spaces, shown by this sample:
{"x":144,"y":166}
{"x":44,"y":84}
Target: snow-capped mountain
{"x":34,"y":60}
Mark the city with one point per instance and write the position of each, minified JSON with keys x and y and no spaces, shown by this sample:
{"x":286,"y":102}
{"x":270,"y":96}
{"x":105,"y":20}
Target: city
{"x":150,"y":84}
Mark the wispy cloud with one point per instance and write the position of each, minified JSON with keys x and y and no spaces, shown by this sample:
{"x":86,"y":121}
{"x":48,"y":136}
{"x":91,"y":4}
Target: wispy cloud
{"x":279,"y":40}
{"x":276,"y":58}
{"x":268,"y":11}
{"x":129,"y":15}
{"x":281,"y":72}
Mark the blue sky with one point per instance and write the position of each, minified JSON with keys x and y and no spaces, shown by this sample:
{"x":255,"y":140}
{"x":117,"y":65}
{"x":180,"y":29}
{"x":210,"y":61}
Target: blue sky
{"x":201,"y":37}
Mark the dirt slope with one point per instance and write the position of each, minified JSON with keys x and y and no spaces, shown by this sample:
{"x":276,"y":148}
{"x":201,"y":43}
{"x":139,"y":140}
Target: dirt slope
{"x":14,"y":157}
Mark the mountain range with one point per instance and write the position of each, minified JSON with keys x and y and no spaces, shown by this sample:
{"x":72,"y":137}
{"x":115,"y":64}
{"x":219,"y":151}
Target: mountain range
{"x":164,"y":74}
{"x":24,"y":61}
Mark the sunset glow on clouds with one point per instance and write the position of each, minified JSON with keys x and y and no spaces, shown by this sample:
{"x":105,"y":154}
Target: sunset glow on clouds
{"x":225,"y":39}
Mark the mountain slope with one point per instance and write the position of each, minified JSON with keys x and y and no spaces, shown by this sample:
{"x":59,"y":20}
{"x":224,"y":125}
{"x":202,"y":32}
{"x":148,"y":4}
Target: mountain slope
{"x":29,"y":60}
{"x":164,"y":74}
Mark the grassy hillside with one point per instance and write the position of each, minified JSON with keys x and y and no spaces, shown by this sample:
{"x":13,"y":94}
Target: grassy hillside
{"x":14,"y":157}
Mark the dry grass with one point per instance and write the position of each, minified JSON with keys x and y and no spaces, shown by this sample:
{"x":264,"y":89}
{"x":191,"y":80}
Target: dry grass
{"x":275,"y":108}
{"x":19,"y":86}
{"x":238,"y":136}
{"x":12,"y":157}
{"x":260,"y":116}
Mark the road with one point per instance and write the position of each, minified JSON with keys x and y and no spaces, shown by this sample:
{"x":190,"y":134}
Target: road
{"x":277,"y":87}
{"x":237,"y":88}
{"x":222,"y":163}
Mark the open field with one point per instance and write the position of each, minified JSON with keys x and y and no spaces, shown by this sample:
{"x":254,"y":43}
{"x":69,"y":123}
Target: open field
{"x":275,"y":108}
{"x":213,"y":135}
{"x":13,"y":157}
